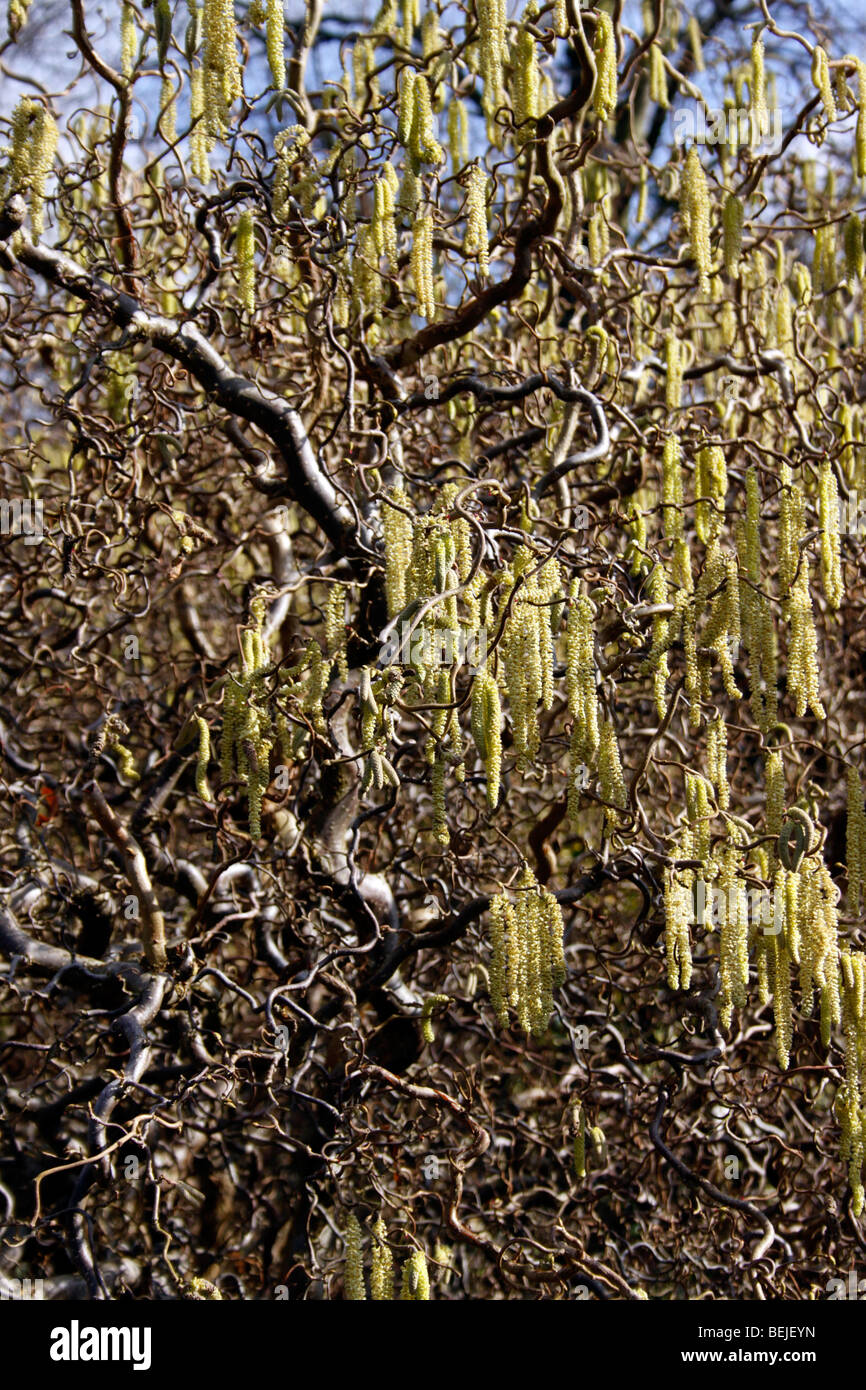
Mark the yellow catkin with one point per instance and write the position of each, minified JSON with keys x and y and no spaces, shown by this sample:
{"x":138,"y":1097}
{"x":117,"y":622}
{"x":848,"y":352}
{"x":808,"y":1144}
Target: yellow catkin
{"x":831,"y":553}
{"x":383,"y":228}
{"x":803,"y":676}
{"x":128,"y":40}
{"x":382,"y":1265}
{"x":422,"y":265}
{"x":416,"y":1280}
{"x":694,"y":32}
{"x":855,"y":842}
{"x":678,"y":913}
{"x":440,"y":819}
{"x":695,"y":208}
{"x":774,"y":783}
{"x":34,"y":144}
{"x":397,"y":532}
{"x":168,"y":108}
{"x":582,"y":677}
{"x":203,"y":759}
{"x":673,"y":372}
{"x":491,"y":16}
{"x":732,"y":222}
{"x":335,"y":629}
{"x":783,"y":1016}
{"x":860,"y":133}
{"x":758,"y":88}
{"x":610,"y":774}
{"x":475,"y":241}
{"x":855,"y":258}
{"x":717,"y":749}
{"x":850,"y":1101}
{"x":642,"y":197}
{"x":525,"y":86}
{"x":658,"y":77}
{"x":487,"y":730}
{"x":605,"y":91}
{"x":657,"y":663}
{"x":458,"y":135}
{"x":198,"y":136}
{"x":245,"y":257}
{"x":221,"y":65}
{"x":353,"y":1274}
{"x":711,"y":486}
{"x":501,"y":926}
{"x":275,"y":39}
{"x":406,"y":106}
{"x":822,"y":83}
{"x":423,"y":145}
{"x":17,"y":16}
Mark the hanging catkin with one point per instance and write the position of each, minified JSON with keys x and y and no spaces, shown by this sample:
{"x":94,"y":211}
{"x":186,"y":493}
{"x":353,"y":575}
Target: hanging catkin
{"x":245,"y":255}
{"x":275,"y":40}
{"x":475,"y":240}
{"x":605,"y":90}
{"x":695,"y":208}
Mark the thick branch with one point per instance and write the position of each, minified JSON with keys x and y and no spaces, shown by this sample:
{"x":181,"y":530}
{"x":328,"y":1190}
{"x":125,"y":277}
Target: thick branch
{"x":306,"y":484}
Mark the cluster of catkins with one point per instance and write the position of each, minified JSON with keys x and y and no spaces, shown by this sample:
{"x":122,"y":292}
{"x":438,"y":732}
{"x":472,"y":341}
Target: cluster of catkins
{"x":30,"y":157}
{"x":249,"y":733}
{"x":527,"y":960}
{"x":791,"y":932}
{"x":435,"y":592}
{"x":414,"y":1275}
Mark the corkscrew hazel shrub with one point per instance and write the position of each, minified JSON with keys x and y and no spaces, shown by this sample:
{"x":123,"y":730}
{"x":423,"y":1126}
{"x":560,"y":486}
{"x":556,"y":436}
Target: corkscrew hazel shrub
{"x":405,"y":450}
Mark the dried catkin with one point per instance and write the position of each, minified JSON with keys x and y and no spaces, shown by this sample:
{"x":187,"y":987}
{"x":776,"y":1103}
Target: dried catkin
{"x":579,"y":1148}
